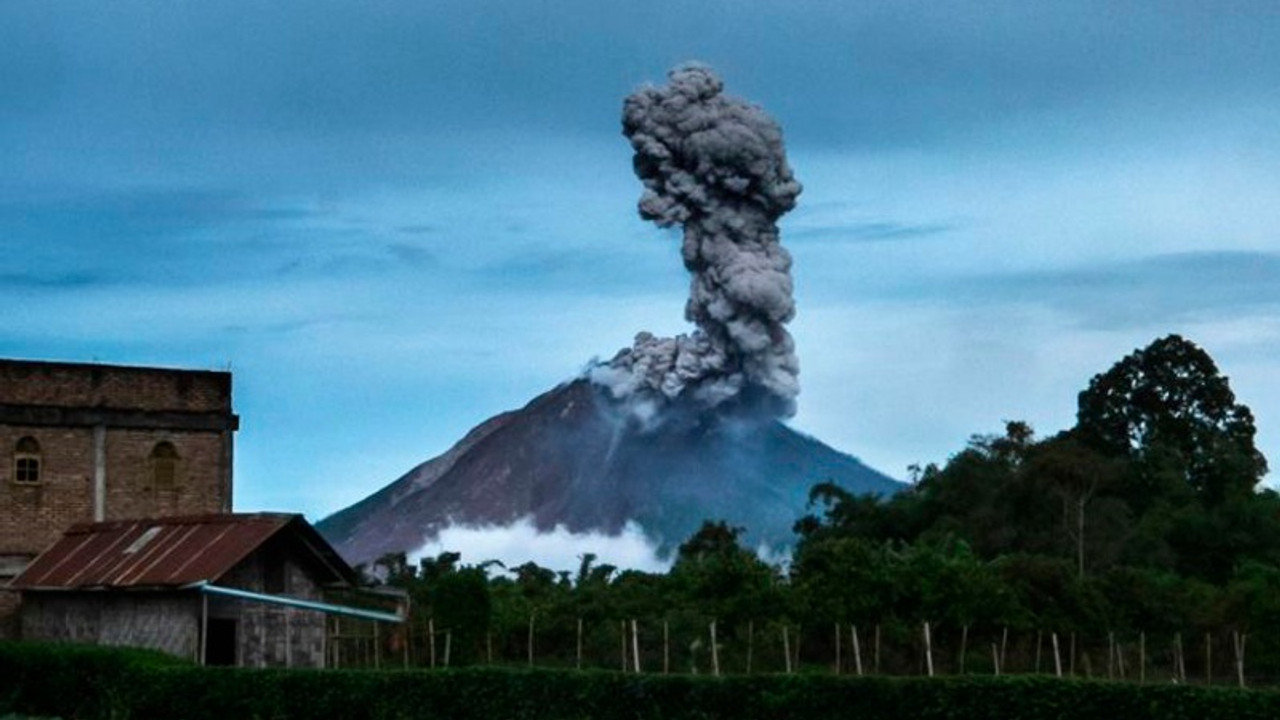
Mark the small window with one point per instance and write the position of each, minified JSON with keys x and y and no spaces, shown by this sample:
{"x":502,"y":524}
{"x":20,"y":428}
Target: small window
{"x":164,"y":465}
{"x":26,"y":461}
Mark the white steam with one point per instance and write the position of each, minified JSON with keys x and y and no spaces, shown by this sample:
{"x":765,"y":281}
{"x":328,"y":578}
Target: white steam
{"x":559,"y":549}
{"x":715,"y":165}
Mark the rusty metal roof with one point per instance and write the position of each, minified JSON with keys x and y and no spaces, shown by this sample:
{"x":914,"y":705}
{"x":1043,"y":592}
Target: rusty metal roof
{"x":166,"y":552}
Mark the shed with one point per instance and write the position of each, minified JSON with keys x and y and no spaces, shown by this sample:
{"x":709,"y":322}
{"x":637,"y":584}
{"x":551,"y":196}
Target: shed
{"x":224,"y":589}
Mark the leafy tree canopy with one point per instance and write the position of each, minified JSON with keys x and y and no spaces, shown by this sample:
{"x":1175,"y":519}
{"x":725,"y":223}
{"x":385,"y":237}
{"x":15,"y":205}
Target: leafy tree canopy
{"x":1169,"y":398}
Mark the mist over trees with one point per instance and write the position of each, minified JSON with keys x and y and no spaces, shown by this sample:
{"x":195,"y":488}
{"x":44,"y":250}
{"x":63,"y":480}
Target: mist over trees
{"x":1143,"y":519}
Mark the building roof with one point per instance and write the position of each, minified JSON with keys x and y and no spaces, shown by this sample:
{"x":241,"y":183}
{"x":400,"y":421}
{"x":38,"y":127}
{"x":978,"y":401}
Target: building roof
{"x":170,"y":552}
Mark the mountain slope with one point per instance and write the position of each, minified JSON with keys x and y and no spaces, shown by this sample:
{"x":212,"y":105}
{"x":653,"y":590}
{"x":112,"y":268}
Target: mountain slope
{"x":569,"y":458}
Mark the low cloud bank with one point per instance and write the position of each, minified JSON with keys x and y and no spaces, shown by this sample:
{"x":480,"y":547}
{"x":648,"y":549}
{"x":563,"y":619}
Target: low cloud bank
{"x":557,"y":549}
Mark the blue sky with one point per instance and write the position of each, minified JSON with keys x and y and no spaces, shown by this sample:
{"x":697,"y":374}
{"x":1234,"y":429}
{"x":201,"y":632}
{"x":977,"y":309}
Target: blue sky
{"x":393,"y":220}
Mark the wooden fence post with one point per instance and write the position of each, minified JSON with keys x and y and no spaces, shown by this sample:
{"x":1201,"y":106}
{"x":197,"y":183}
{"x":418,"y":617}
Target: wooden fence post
{"x":1208,"y":659}
{"x":857,"y":651}
{"x":928,"y":649}
{"x":1057,"y":658}
{"x":1238,"y":640}
{"x":530,"y":640}
{"x":431,"y":639}
{"x":715,"y":651}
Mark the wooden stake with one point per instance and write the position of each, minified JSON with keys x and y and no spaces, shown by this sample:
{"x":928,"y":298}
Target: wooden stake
{"x":995,"y":659}
{"x":1057,"y":658}
{"x":530,"y":640}
{"x":431,"y":639}
{"x":786,"y":648}
{"x":715,"y":651}
{"x":1238,"y":640}
{"x":1004,"y":645}
{"x":1182,"y":659}
{"x":635,"y":645}
{"x":579,"y":654}
{"x":1120,"y":659}
{"x":448,"y":646}
{"x":928,"y":650}
{"x":964,"y":645}
{"x":1208,"y":659}
{"x":857,"y":650}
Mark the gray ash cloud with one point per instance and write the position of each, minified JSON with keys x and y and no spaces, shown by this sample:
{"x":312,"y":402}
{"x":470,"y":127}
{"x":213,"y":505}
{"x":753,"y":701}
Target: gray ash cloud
{"x":716,"y":166}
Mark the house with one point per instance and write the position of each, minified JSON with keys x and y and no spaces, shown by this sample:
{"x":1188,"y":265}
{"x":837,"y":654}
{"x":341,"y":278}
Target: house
{"x":93,"y":443}
{"x":222,"y":589}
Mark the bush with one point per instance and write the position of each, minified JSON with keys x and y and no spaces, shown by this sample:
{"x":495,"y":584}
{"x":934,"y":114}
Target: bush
{"x":90,"y":683}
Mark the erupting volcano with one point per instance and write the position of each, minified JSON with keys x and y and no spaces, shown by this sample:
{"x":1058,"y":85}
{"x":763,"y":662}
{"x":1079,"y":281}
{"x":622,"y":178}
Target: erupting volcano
{"x":670,"y":431}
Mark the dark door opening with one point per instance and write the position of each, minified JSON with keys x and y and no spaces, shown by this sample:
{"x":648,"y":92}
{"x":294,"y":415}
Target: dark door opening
{"x":220,"y":642}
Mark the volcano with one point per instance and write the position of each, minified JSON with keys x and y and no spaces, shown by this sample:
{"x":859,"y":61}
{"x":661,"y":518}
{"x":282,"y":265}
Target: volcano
{"x":671,"y":431}
{"x":573,"y":457}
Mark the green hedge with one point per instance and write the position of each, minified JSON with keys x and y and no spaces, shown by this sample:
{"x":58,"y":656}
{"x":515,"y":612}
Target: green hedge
{"x":99,"y":683}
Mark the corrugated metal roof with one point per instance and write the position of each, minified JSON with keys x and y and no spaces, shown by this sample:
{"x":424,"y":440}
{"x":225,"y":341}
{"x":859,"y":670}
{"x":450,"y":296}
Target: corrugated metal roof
{"x":159,"y":552}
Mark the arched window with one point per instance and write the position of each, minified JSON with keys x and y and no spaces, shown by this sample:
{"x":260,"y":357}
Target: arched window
{"x":164,"y":464}
{"x":26,"y":461}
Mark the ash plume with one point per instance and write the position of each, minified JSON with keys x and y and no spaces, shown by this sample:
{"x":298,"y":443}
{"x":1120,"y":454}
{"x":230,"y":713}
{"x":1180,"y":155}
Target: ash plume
{"x":716,"y":166}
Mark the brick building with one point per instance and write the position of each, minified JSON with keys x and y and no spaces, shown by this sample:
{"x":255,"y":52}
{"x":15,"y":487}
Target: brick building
{"x":92,"y":443}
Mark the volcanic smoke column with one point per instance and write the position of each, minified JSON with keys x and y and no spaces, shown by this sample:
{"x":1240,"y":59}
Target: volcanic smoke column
{"x":715,"y":165}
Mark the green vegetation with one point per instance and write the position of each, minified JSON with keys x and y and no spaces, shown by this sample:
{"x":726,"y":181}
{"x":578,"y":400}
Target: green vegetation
{"x":1135,"y":545}
{"x":1137,"y":540}
{"x":101,"y":684}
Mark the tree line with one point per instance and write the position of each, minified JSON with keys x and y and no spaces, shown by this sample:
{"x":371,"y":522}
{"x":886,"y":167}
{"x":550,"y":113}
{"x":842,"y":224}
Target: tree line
{"x":1138,"y":538}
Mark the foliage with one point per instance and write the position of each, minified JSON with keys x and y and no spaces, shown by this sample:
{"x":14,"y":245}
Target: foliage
{"x":122,"y":685}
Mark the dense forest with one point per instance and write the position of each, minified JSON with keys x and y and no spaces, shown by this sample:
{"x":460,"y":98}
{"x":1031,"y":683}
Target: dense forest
{"x":1137,"y":539}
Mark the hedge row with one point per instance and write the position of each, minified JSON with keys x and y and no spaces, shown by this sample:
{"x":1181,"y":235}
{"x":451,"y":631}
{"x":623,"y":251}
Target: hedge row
{"x":97,"y":683}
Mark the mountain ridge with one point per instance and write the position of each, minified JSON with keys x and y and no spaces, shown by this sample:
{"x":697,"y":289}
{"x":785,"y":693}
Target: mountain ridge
{"x":572,"y":457}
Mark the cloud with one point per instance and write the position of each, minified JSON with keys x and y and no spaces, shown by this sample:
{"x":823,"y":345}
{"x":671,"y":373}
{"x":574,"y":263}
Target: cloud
{"x":559,"y":549}
{"x":1159,"y":288}
{"x":50,"y":281}
{"x":868,"y":231}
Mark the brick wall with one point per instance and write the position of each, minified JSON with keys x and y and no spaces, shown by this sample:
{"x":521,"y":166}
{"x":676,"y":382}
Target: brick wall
{"x":24,"y":382}
{"x":33,"y":516}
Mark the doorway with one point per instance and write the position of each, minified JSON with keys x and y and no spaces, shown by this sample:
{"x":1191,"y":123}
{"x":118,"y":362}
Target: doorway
{"x":220,"y":642}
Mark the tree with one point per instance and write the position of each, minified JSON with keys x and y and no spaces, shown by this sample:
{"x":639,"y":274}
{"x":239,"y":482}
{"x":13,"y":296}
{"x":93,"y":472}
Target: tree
{"x":1170,"y":398}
